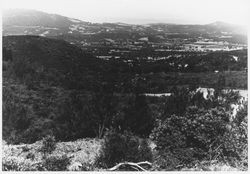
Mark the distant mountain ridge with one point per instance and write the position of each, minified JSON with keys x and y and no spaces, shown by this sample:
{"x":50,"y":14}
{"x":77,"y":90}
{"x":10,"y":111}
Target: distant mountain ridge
{"x":36,"y":18}
{"x":17,"y":22}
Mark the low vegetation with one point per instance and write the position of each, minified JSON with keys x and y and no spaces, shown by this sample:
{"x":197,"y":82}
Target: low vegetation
{"x":119,"y":147}
{"x":75,"y":155}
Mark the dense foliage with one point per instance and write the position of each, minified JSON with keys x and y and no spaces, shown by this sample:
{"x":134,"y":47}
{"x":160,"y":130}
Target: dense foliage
{"x":56,"y":163}
{"x":48,"y":144}
{"x":203,"y":131}
{"x":120,"y":147}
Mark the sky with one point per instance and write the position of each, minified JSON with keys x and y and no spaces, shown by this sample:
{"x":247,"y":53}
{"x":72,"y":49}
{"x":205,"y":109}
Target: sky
{"x":142,"y":11}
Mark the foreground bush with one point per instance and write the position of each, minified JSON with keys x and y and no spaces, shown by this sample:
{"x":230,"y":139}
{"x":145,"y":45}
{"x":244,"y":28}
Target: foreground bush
{"x":121,"y":147}
{"x":48,"y":144}
{"x":201,"y":134}
{"x":56,"y":163}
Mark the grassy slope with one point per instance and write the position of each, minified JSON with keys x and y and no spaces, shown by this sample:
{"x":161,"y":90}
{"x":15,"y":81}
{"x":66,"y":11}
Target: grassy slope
{"x":83,"y":151}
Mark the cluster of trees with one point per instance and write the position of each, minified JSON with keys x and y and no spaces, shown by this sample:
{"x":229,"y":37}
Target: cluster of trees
{"x":176,"y":61}
{"x":195,"y":62}
{"x":201,"y":129}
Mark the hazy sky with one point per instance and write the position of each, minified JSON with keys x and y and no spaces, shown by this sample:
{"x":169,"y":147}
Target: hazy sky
{"x":142,"y":11}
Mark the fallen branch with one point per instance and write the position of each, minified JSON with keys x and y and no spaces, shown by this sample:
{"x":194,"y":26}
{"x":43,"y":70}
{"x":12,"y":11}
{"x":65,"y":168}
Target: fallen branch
{"x":145,"y":163}
{"x":135,"y":166}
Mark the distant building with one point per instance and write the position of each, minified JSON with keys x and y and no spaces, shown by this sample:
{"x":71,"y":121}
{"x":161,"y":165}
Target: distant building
{"x":143,"y":39}
{"x":107,"y":42}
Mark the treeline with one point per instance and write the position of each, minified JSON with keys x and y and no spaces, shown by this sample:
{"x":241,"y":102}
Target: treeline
{"x":190,"y":62}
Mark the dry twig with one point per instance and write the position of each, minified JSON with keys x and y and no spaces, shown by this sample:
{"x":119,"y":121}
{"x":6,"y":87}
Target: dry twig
{"x":135,"y":166}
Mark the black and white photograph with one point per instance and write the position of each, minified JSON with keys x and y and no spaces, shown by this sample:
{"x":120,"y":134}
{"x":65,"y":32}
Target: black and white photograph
{"x":124,"y":85}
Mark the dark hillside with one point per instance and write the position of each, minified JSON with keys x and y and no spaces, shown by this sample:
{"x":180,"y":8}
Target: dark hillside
{"x":50,"y":85}
{"x":48,"y":60}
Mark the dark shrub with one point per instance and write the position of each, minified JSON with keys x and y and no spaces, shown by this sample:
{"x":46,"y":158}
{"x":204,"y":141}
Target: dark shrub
{"x":56,"y":163}
{"x":202,"y":134}
{"x":190,"y":137}
{"x":121,"y":147}
{"x":48,"y":144}
{"x":30,"y":156}
{"x":166,"y":161}
{"x":25,"y":148}
{"x":140,"y":120}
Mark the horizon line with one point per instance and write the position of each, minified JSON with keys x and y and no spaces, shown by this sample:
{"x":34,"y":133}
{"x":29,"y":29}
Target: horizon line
{"x":122,"y":22}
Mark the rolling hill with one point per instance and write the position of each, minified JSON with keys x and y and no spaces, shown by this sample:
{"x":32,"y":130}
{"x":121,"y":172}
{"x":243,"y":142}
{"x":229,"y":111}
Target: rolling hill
{"x":31,"y":22}
{"x":44,"y":59}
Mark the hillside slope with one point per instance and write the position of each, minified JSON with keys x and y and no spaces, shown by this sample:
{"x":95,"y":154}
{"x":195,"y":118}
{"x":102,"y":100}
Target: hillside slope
{"x":47,"y":60}
{"x":46,"y":83}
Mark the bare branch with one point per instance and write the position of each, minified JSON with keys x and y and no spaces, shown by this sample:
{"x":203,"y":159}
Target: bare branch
{"x":135,"y":166}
